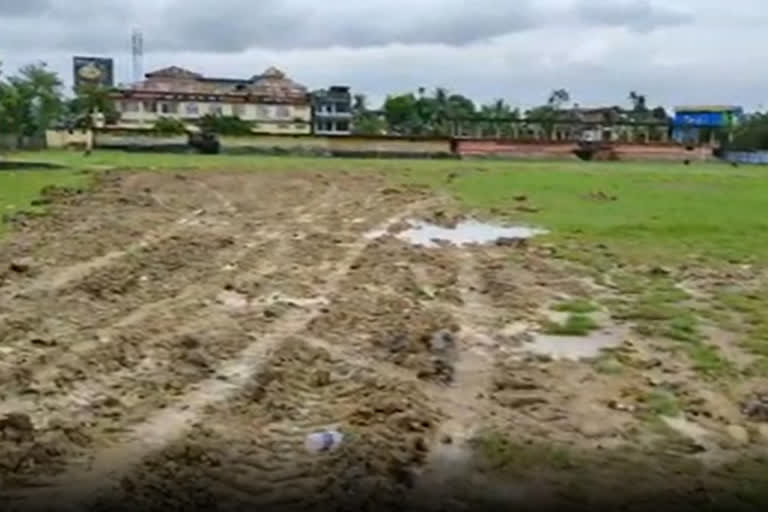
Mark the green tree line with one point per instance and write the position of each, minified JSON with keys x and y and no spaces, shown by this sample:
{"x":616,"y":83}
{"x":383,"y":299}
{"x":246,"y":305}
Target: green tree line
{"x":434,"y":113}
{"x":33,"y":99}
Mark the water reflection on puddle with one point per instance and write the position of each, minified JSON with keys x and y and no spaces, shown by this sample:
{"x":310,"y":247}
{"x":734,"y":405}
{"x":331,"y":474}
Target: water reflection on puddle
{"x":465,"y":233}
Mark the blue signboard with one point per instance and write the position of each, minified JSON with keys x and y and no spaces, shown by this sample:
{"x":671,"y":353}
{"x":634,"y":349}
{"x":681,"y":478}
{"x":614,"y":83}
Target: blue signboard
{"x":713,"y":117}
{"x":710,"y":119}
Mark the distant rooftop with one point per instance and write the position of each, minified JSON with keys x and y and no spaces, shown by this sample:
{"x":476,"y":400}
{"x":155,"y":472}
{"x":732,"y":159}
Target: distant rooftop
{"x":334,"y":90}
{"x":272,"y":83}
{"x":233,"y":81}
{"x":708,"y":108}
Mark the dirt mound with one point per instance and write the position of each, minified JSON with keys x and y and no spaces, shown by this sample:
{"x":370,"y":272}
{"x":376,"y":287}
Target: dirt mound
{"x":31,"y":453}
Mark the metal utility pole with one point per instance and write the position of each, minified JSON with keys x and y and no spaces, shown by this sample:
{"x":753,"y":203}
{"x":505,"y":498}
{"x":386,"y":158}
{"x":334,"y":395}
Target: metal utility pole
{"x":137,"y":50}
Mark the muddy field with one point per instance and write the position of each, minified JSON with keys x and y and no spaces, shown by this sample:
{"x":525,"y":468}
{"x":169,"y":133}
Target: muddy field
{"x":170,"y":339}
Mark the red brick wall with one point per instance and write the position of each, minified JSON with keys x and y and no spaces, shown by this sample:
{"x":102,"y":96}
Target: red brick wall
{"x":564,"y":150}
{"x":661,"y":152}
{"x":516,"y":149}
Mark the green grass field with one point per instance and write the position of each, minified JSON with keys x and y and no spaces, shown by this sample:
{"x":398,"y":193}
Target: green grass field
{"x":643,"y":210}
{"x":18,"y":189}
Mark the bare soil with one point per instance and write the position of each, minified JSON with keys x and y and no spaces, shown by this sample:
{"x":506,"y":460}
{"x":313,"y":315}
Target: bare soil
{"x":169,"y":340}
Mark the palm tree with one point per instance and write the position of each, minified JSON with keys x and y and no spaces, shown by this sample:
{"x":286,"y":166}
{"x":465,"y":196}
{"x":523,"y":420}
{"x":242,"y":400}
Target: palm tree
{"x":360,"y":104}
{"x":441,"y":110}
{"x":558,"y":98}
{"x":498,"y":112}
{"x":638,"y":101}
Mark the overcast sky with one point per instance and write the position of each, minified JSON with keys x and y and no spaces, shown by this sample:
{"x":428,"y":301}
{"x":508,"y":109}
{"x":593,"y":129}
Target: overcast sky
{"x":674,"y":51}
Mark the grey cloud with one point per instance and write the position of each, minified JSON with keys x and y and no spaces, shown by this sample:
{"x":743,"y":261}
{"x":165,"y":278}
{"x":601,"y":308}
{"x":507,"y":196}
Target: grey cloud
{"x":639,"y":15}
{"x":237,"y":25}
{"x":99,"y":26}
{"x":233,"y":26}
{"x":23,"y":7}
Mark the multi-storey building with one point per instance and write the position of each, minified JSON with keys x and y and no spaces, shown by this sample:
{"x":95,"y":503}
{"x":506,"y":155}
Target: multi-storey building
{"x":332,"y":111}
{"x":272,"y":102}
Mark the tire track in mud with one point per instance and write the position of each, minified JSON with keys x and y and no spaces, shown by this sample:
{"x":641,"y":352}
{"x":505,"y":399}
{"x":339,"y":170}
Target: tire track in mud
{"x":251,"y":451}
{"x":171,"y":422}
{"x":65,"y":354}
{"x":248,"y":455}
{"x":59,"y":278}
{"x":71,"y":367}
{"x":448,"y":464}
{"x":84,"y":328}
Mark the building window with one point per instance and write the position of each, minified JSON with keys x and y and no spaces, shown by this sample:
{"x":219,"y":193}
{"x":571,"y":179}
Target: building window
{"x":192,"y":109}
{"x":216,"y":110}
{"x":129,"y":106}
{"x":169,"y":108}
{"x":150,"y":106}
{"x":283,"y":112}
{"x":238,"y":111}
{"x":342,"y":108}
{"x":299,"y":126}
{"x":263,"y":112}
{"x":342,"y":126}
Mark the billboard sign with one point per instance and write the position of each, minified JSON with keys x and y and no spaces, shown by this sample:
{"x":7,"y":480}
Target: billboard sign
{"x":716,"y":117}
{"x":93,"y":71}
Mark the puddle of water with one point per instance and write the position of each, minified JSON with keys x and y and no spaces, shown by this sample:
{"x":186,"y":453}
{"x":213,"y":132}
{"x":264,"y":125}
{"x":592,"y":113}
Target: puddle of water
{"x":374,"y":234}
{"x":465,"y":233}
{"x":574,"y":348}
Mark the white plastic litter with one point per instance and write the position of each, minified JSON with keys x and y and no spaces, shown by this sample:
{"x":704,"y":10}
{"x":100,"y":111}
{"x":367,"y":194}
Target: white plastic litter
{"x":326,"y":441}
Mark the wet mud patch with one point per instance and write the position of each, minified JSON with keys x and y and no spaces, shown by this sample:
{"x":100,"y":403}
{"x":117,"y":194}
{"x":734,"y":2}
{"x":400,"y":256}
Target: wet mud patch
{"x":384,"y":305}
{"x":75,"y":226}
{"x":250,"y":451}
{"x":137,"y":290}
{"x":145,"y":275}
{"x":35,"y":449}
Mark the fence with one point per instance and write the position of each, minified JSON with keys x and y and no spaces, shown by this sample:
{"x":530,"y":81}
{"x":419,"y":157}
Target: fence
{"x":382,"y":146}
{"x":13,"y":142}
{"x":747,"y":157}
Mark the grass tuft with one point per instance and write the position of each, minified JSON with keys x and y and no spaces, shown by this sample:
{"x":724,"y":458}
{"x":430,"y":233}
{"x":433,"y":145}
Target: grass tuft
{"x":662,"y":403}
{"x":580,"y":306}
{"x":574,"y":325}
{"x":504,"y":453}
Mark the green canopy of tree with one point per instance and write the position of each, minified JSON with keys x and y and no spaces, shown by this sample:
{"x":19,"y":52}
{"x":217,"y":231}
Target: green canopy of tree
{"x":751,"y":134}
{"x":365,"y":121}
{"x":427,"y":113}
{"x":402,"y":114}
{"x":169,"y":126}
{"x":89,"y":99}
{"x":30,"y":100}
